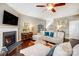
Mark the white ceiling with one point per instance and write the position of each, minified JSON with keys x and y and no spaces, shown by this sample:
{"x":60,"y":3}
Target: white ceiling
{"x":30,"y":9}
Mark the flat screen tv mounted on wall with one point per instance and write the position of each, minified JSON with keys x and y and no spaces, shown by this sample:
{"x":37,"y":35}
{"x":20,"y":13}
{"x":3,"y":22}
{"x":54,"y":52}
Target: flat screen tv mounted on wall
{"x":9,"y":18}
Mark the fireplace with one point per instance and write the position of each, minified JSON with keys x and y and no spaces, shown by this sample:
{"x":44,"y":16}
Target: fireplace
{"x":9,"y":38}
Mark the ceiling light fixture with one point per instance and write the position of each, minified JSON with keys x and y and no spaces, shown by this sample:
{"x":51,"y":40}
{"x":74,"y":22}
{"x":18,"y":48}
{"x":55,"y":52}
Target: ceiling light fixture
{"x":50,"y":7}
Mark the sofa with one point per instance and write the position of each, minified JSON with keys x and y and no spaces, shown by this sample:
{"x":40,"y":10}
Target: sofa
{"x":57,"y":37}
{"x":70,"y":48}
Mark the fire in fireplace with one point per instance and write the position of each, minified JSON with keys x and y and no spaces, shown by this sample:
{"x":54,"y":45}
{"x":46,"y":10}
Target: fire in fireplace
{"x":9,"y":38}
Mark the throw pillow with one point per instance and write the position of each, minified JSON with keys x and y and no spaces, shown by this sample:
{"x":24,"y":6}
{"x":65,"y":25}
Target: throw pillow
{"x":63,"y":49}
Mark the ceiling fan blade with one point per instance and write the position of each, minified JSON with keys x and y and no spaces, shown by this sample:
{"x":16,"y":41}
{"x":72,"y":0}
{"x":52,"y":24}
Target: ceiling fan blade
{"x":53,"y":10}
{"x":40,"y":6}
{"x":59,"y":4}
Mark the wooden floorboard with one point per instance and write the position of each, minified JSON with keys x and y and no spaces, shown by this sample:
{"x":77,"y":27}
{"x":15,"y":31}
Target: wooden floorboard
{"x":25,"y":44}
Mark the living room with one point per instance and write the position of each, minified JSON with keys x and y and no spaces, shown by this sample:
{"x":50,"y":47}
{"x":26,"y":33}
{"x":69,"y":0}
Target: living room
{"x":31,"y":27}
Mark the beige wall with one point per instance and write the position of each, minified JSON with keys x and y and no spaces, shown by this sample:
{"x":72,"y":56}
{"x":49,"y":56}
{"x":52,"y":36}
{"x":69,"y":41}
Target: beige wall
{"x":31,"y":21}
{"x":22,"y":19}
{"x":65,"y":21}
{"x":65,"y":24}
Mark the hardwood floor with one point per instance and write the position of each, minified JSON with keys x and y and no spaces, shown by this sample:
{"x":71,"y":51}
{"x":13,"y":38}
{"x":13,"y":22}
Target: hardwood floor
{"x":25,"y":44}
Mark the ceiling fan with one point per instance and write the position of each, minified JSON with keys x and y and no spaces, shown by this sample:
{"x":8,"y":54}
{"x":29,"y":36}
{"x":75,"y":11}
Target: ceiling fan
{"x":51,"y":6}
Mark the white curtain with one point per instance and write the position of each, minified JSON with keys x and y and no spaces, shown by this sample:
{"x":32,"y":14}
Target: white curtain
{"x":74,"y":29}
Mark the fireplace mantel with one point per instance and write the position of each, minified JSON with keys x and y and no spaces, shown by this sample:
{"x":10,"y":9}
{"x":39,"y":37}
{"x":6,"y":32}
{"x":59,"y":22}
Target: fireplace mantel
{"x":7,"y":29}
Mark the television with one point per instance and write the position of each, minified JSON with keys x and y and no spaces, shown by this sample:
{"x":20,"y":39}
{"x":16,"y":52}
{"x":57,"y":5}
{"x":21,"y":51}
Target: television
{"x":9,"y":18}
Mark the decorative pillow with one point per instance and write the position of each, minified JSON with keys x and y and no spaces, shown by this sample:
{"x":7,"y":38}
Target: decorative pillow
{"x":46,"y":34}
{"x":76,"y":50}
{"x":63,"y":49}
{"x":51,"y":34}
